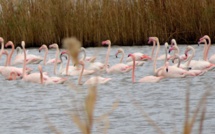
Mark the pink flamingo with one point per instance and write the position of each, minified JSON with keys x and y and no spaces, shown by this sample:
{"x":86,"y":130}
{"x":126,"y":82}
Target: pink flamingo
{"x":56,"y":55}
{"x":212,"y":58}
{"x":147,"y":79}
{"x":139,"y":56}
{"x":46,"y":80}
{"x":33,"y":77}
{"x":190,"y":70}
{"x":175,"y":72}
{"x":120,"y":50}
{"x":163,"y":57}
{"x":117,"y":68}
{"x":199,"y":64}
{"x":93,"y":80}
{"x":6,"y":70}
{"x":51,"y":61}
{"x":96,"y":66}
{"x":73,"y":70}
{"x":174,"y":47}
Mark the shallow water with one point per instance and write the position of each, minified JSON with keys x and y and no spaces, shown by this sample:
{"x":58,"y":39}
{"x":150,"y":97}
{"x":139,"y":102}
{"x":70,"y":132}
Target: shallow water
{"x":24,"y":106}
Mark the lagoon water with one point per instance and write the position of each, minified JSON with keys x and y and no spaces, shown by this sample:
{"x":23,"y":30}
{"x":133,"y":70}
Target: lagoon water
{"x":24,"y":107}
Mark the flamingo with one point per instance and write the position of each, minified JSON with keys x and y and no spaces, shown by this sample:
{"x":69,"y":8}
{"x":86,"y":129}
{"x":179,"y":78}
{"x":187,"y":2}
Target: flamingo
{"x":96,"y":66}
{"x":212,"y":58}
{"x":120,"y":50}
{"x":117,"y":68}
{"x":93,"y":80}
{"x":33,"y":77}
{"x":73,"y":70}
{"x":174,"y":46}
{"x":174,"y":71}
{"x":50,"y":80}
{"x":51,"y":61}
{"x":6,"y":70}
{"x":147,"y":79}
{"x":163,"y":57}
{"x":56,"y":55}
{"x":139,"y":56}
{"x":190,"y":70}
{"x":200,"y":64}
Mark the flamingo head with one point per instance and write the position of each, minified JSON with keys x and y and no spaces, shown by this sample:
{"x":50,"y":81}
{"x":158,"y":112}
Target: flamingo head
{"x":120,"y":50}
{"x":42,"y":47}
{"x":9,"y":43}
{"x":206,"y":37}
{"x":64,"y":52}
{"x":55,"y":45}
{"x":172,"y":48}
{"x":82,"y":49}
{"x":173,"y":42}
{"x":166,"y":45}
{"x":62,"y":55}
{"x":1,"y":40}
{"x":153,"y":39}
{"x":145,"y":57}
{"x":187,"y":50}
{"x":107,"y":42}
{"x":132,"y":56}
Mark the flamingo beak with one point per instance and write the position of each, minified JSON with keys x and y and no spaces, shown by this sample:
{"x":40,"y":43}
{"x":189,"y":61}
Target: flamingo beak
{"x":129,"y":55}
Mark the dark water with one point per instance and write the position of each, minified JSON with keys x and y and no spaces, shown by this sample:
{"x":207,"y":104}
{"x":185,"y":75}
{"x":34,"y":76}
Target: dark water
{"x":24,"y":106}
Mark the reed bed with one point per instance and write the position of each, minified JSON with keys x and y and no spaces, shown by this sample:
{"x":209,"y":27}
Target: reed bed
{"x":124,"y":22}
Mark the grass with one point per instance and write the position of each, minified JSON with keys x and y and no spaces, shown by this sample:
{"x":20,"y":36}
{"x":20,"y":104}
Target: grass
{"x":124,"y":22}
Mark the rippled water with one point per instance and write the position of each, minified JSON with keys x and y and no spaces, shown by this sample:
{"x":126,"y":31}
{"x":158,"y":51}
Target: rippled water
{"x":23,"y":106}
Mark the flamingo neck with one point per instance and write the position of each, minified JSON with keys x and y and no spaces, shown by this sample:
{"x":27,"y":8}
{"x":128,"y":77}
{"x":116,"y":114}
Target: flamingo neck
{"x":179,"y":61}
{"x":83,"y":59}
{"x":2,"y":49}
{"x":7,"y":58}
{"x":156,"y":56}
{"x":11,"y":53}
{"x":191,"y":57}
{"x":56,"y":59}
{"x":166,"y":51}
{"x":123,"y":54}
{"x":67,"y":65}
{"x":80,"y":76}
{"x":41,"y":76}
{"x":204,"y":51}
{"x":45,"y":56}
{"x":176,"y":52}
{"x":153,"y":49}
{"x":209,"y":45}
{"x":24,"y":64}
{"x":133,"y":69}
{"x":107,"y":56}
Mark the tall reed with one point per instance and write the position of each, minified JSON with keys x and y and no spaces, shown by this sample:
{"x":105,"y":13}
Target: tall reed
{"x":125,"y":22}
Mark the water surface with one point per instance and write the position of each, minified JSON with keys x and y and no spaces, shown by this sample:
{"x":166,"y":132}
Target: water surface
{"x":24,"y":106}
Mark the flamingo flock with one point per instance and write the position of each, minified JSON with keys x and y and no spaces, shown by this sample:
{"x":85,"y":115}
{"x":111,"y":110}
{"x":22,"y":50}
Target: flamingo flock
{"x":182,"y":65}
